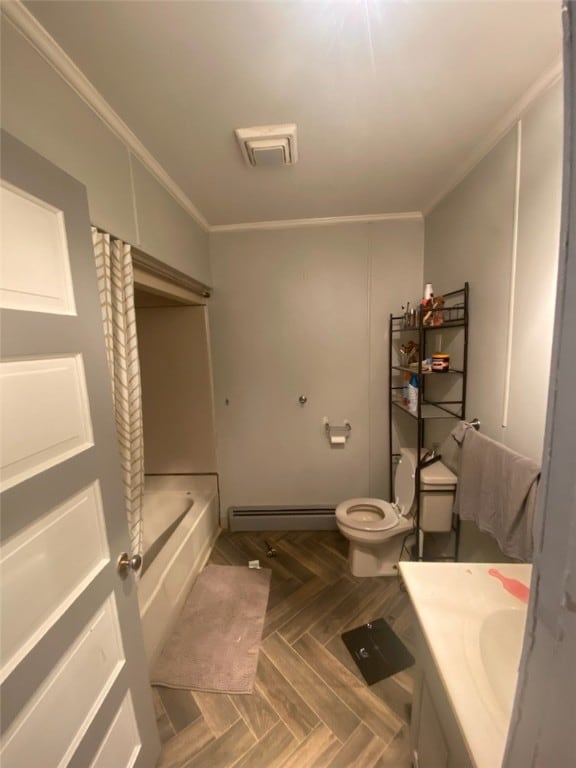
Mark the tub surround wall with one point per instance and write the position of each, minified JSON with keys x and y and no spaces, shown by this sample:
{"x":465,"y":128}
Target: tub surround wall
{"x":43,"y":111}
{"x":304,"y":311}
{"x":177,"y":394}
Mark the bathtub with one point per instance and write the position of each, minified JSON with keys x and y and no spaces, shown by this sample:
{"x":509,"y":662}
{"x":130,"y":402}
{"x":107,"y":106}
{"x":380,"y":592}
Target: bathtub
{"x":180,"y":525}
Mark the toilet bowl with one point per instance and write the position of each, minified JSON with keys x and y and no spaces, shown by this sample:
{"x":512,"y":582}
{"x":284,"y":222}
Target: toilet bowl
{"x":376,"y":528}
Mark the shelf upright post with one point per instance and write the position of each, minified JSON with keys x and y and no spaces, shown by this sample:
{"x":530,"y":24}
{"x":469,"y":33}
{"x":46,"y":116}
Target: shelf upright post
{"x":463,"y":412}
{"x":465,"y":357}
{"x":390,"y":391}
{"x":420,"y":427}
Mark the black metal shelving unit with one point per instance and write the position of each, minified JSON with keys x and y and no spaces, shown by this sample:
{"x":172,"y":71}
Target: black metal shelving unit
{"x":453,"y":315}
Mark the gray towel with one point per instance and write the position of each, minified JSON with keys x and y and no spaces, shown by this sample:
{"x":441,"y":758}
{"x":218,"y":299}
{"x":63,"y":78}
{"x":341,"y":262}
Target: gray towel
{"x":459,"y":431}
{"x":497,"y":490}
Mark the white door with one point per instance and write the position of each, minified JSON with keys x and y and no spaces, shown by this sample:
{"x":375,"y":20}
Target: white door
{"x":73,"y":675}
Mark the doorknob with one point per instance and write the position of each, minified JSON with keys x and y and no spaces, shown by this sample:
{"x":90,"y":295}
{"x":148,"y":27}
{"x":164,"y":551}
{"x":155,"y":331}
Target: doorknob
{"x":126,"y":564}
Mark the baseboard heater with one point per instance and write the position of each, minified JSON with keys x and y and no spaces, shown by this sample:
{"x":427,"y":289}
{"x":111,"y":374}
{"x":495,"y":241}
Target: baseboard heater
{"x":282,"y":518}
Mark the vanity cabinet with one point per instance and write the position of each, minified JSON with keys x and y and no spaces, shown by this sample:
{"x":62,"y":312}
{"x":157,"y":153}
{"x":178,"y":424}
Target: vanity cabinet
{"x":435,"y":737}
{"x":468,"y":642}
{"x":439,"y":398}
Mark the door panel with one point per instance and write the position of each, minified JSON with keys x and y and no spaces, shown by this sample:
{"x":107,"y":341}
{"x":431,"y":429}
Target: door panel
{"x":63,"y":576}
{"x":74,"y":649}
{"x":35,"y":271}
{"x":74,"y":689}
{"x":31,"y":392}
{"x":116,"y":749}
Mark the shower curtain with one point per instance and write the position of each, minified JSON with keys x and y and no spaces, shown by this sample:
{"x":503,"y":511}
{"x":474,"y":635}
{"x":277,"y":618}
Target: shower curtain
{"x":116,"y":286}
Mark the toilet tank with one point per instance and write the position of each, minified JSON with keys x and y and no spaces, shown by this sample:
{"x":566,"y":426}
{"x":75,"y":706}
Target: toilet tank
{"x":437,"y":489}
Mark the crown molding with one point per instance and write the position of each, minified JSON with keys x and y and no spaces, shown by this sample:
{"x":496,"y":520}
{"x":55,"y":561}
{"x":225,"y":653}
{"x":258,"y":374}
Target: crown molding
{"x":324,"y":222}
{"x":48,"y":48}
{"x":546,"y":80}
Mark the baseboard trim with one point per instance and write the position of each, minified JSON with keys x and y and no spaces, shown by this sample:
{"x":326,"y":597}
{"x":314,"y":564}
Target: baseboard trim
{"x":309,"y":518}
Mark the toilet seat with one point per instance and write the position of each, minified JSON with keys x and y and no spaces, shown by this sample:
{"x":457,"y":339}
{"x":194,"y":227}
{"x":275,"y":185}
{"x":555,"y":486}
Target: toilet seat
{"x":367,"y":515}
{"x":377,"y":529}
{"x":405,"y":480}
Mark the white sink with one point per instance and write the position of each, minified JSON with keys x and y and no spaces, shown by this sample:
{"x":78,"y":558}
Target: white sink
{"x":473,"y":628}
{"x":493,"y":644}
{"x":500,"y":644}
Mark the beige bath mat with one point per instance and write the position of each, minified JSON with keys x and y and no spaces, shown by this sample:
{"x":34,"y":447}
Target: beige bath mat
{"x":217,"y":638}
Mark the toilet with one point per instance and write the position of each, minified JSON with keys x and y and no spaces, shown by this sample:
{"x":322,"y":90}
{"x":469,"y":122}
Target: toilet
{"x":376,"y":528}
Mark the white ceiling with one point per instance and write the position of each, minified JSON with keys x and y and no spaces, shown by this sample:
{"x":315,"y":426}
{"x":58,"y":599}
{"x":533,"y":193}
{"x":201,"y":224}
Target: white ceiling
{"x":390,"y":98}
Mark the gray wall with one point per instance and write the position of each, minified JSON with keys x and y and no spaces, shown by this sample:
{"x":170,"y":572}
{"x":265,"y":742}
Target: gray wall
{"x":542,"y":729}
{"x":305,"y":311}
{"x":470,"y":236}
{"x":43,"y":111}
{"x":539,"y":201}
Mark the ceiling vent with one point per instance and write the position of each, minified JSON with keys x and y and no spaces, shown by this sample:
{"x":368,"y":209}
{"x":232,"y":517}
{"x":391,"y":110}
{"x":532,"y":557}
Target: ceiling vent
{"x":270,"y":145}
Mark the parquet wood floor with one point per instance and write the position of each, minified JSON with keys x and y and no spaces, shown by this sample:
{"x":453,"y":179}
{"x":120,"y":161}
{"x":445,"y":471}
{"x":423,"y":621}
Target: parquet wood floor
{"x":310,"y":708}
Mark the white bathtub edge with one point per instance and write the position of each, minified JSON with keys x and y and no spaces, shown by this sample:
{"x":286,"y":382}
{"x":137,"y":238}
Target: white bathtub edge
{"x":164,"y":587}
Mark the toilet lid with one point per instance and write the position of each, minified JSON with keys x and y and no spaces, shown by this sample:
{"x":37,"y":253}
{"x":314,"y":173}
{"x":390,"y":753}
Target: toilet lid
{"x":404,"y":481}
{"x":367,"y":514}
{"x":437,"y":474}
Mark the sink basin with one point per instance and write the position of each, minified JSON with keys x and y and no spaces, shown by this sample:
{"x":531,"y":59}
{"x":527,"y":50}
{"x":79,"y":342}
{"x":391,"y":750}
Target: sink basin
{"x":472,"y":628}
{"x":493,"y":650}
{"x":501,"y":636}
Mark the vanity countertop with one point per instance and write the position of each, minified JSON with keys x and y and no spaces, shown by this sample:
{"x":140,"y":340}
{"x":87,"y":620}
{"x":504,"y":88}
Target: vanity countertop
{"x":474,"y":628}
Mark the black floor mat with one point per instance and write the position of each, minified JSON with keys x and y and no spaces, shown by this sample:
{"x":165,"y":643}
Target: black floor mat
{"x":377,"y":650}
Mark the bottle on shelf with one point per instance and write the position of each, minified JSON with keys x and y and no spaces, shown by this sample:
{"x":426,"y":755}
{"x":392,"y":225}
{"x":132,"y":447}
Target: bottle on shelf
{"x":406,"y":389}
{"x":413,"y":393}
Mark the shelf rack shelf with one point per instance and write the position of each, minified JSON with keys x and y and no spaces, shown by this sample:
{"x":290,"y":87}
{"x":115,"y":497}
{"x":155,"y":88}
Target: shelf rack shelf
{"x":453,"y":315}
{"x":431,"y":410}
{"x":409,"y":369}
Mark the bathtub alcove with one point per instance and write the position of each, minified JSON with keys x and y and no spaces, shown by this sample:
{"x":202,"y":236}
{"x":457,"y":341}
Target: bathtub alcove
{"x":181,"y":505}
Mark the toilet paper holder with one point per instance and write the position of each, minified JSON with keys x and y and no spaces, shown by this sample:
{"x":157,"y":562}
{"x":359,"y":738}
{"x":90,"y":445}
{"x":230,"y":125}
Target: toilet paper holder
{"x":337,"y":434}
